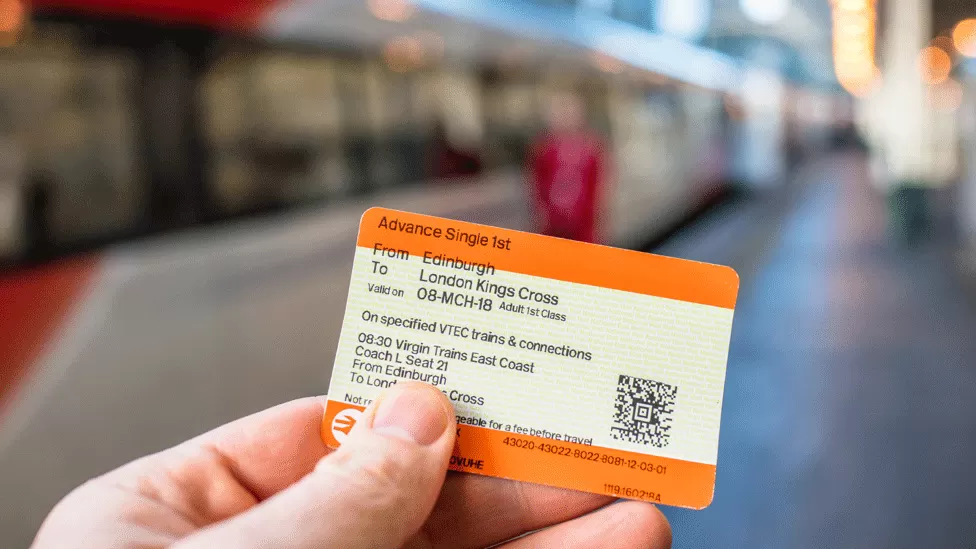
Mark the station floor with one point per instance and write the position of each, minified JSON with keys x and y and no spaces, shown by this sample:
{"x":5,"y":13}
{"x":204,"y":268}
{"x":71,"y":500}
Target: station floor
{"x":850,"y":407}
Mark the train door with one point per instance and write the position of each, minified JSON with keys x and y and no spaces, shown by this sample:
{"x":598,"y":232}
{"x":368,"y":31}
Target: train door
{"x":461,"y":112}
{"x":382,"y":121}
{"x":355,"y":131}
{"x":706,"y":143}
{"x":967,"y":134}
{"x":11,"y":201}
{"x":427,"y":122}
{"x":512,"y":114}
{"x":395,"y":126}
{"x":650,"y":159}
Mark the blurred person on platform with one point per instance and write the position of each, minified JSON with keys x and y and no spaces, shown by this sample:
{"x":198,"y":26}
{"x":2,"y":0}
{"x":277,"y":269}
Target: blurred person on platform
{"x":568,"y":175}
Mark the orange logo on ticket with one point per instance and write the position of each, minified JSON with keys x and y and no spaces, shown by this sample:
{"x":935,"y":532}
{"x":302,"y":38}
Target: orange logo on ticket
{"x":569,"y":364}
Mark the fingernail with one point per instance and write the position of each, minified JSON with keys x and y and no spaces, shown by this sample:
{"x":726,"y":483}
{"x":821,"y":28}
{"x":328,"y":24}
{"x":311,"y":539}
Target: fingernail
{"x":412,"y":413}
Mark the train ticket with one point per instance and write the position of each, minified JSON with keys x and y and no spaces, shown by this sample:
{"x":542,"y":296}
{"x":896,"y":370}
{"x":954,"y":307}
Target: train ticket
{"x":569,"y":364}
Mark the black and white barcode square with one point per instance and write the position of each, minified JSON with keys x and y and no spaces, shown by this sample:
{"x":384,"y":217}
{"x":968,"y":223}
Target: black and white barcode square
{"x":642,"y":411}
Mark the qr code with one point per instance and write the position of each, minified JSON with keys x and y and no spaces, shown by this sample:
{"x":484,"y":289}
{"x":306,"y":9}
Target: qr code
{"x":642,"y":411}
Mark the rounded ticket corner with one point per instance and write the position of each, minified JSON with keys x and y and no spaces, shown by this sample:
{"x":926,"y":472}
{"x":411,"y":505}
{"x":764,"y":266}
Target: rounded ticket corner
{"x":731,"y":274}
{"x":706,"y":503}
{"x":373,"y":210}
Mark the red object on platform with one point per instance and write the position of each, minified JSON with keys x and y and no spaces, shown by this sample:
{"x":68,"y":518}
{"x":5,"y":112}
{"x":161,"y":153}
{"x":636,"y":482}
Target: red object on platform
{"x":568,"y":178}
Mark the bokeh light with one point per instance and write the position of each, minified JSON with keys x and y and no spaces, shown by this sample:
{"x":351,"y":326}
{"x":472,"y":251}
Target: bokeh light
{"x":765,"y":12}
{"x":964,"y":37}
{"x":854,"y":5}
{"x":11,"y":16}
{"x":397,"y":11}
{"x":687,"y":19}
{"x":854,"y":46}
{"x":935,"y":65}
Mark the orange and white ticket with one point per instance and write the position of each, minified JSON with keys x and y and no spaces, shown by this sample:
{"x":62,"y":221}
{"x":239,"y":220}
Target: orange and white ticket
{"x":569,"y":364}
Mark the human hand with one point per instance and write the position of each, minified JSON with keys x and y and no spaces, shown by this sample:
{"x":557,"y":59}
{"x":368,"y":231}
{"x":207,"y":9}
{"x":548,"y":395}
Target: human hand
{"x":268,"y":481}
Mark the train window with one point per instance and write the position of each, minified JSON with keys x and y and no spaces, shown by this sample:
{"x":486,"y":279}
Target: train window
{"x":68,"y":127}
{"x":275,"y":125}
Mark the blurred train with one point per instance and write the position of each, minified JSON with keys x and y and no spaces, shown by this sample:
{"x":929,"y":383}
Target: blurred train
{"x":157,"y":119}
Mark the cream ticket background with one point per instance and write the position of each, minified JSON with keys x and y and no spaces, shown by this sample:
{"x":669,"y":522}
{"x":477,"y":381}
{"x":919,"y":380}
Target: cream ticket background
{"x":675,"y":342}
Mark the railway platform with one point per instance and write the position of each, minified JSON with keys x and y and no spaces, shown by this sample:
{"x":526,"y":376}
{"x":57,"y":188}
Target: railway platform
{"x":847,"y":416}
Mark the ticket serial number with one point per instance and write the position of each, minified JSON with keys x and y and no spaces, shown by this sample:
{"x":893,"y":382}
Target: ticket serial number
{"x":586,"y":455}
{"x":628,"y":492}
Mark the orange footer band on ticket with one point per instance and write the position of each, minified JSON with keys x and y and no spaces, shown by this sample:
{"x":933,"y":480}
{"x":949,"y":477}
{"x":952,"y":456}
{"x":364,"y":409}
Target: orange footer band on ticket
{"x":570,"y":465}
{"x":568,"y":364}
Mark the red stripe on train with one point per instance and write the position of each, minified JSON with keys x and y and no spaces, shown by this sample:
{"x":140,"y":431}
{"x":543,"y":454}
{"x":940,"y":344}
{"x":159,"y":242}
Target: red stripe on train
{"x":34,"y":303}
{"x":220,"y":14}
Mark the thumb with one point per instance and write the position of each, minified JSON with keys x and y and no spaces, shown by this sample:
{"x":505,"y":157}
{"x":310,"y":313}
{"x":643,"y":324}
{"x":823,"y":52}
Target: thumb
{"x":376,"y":491}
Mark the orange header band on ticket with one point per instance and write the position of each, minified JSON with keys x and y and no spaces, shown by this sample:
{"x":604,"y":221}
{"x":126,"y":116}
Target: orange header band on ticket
{"x":389,"y":231}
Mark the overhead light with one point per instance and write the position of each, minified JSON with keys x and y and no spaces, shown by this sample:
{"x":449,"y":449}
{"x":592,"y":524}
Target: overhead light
{"x":687,"y":19}
{"x":853,"y":5}
{"x":397,"y":11}
{"x":854,"y":46}
{"x":853,"y":28}
{"x":12,"y":15}
{"x":765,"y":12}
{"x":964,"y":37}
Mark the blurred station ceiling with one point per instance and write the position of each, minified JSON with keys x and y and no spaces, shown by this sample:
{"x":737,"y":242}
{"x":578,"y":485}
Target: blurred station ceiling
{"x":693,"y":40}
{"x":700,"y":41}
{"x":792,"y":37}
